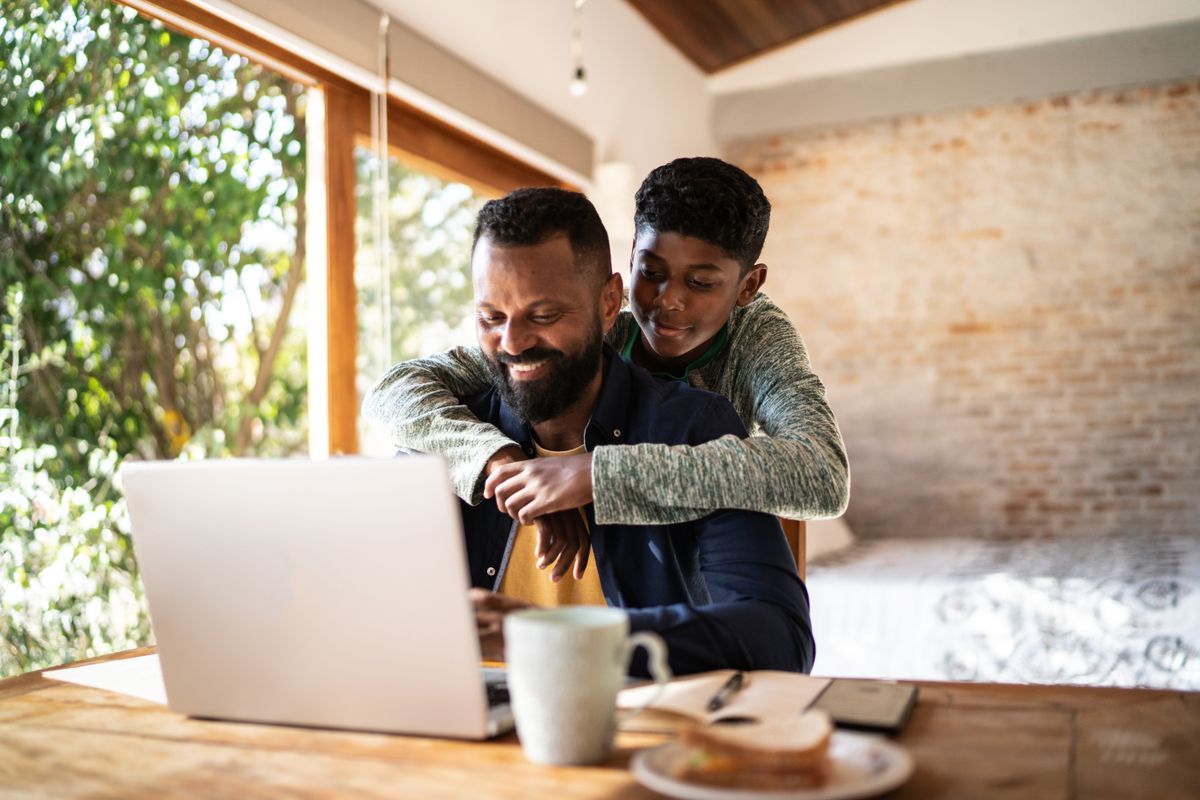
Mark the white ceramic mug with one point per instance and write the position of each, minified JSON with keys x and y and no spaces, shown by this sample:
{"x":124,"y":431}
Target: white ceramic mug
{"x":565,"y":667}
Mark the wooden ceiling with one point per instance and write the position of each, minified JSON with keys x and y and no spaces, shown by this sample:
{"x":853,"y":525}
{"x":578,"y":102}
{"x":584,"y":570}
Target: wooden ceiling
{"x":716,"y":34}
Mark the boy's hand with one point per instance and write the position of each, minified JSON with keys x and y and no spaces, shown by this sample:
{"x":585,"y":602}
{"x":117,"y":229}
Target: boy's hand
{"x":539,"y":486}
{"x":505,"y":455}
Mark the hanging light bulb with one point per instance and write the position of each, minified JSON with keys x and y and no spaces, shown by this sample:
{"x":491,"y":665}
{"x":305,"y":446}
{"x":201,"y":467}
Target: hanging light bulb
{"x":578,"y":86}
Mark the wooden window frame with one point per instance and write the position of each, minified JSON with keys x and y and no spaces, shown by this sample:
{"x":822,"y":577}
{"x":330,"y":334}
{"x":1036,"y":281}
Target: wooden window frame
{"x":414,"y":135}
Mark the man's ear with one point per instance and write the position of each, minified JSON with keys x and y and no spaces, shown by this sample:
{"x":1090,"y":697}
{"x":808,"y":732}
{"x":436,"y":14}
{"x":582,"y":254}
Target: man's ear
{"x":752,"y":282}
{"x":611,"y":295}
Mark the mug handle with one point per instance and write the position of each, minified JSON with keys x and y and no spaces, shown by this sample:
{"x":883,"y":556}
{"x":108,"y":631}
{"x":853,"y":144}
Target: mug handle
{"x":656,"y":652}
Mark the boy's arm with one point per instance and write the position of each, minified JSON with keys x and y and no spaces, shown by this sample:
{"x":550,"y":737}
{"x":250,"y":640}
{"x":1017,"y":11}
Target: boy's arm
{"x":798,"y":469}
{"x":417,"y":403}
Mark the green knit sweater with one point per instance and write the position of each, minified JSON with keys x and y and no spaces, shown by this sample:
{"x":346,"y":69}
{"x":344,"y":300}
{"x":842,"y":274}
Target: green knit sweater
{"x":793,"y":465}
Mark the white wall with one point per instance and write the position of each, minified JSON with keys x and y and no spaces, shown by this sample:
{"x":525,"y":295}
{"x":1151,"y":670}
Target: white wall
{"x":925,"y":30}
{"x":1126,"y":58}
{"x":646,"y":103}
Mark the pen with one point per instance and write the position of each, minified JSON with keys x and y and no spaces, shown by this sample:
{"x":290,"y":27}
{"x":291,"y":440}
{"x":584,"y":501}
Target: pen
{"x":727,"y":690}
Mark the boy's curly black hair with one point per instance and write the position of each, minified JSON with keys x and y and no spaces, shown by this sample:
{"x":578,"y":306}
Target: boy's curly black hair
{"x":531,"y":216}
{"x":709,"y":199}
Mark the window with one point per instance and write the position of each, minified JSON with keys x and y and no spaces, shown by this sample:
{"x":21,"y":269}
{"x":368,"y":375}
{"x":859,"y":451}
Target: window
{"x":161,"y":260}
{"x":422,"y":303}
{"x":438,"y":179}
{"x":152,"y":254}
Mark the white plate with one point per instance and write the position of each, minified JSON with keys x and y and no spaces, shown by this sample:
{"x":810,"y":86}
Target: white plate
{"x":862,"y":766}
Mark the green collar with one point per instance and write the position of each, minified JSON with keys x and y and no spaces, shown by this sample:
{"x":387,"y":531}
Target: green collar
{"x":708,"y":355}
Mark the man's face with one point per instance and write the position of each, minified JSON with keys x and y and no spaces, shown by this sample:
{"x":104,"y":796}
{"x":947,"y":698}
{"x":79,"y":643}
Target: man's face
{"x":540,"y":322}
{"x":682,"y":290}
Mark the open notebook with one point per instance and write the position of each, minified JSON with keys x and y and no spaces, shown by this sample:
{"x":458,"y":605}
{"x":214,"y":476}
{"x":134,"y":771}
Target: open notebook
{"x":765,"y":695}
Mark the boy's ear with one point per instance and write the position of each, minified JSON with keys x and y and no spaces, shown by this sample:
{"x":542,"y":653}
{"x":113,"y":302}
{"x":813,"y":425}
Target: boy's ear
{"x":751,"y":283}
{"x":611,"y":296}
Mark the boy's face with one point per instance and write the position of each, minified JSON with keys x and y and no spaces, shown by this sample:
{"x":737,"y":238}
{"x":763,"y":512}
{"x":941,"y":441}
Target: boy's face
{"x":682,"y":290}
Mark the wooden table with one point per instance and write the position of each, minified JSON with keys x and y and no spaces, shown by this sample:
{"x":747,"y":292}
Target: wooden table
{"x":973,"y":741}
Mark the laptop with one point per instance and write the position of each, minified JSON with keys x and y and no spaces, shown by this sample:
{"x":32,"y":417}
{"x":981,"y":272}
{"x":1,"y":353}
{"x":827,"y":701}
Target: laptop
{"x":321,"y":593}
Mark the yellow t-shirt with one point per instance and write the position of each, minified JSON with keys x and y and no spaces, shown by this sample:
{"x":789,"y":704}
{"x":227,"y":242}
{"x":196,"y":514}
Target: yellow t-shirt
{"x":522,"y":578}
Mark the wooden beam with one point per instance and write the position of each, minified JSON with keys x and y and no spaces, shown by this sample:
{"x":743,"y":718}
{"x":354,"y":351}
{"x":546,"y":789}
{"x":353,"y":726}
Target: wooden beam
{"x":718,"y":34}
{"x":341,"y":107}
{"x":193,"y":20}
{"x":431,"y":145}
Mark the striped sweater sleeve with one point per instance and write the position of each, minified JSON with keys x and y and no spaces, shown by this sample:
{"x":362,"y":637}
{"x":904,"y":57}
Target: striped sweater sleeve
{"x":417,"y":403}
{"x":796,"y":468}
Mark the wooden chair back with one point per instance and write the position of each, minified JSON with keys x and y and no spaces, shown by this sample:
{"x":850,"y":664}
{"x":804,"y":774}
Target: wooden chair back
{"x":793,"y":530}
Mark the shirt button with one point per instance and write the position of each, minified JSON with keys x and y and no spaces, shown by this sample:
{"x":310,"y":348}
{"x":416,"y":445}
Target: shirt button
{"x":491,"y":571}
{"x":617,"y":433}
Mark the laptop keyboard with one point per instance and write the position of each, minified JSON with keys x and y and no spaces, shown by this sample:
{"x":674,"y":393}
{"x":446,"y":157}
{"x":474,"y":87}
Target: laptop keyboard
{"x":497,"y":694}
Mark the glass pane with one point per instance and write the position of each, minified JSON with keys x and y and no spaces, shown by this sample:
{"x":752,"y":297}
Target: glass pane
{"x":430,"y":224}
{"x":151,"y":260}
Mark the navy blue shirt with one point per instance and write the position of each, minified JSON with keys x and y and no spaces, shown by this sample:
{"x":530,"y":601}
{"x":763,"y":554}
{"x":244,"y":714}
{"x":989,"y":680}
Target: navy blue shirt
{"x":722,"y":591}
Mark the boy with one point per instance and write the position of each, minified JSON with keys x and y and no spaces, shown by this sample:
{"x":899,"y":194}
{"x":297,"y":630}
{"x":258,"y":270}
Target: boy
{"x":695,"y":315}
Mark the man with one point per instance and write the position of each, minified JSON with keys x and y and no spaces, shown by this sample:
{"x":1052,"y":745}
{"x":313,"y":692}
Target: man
{"x":721,"y":590}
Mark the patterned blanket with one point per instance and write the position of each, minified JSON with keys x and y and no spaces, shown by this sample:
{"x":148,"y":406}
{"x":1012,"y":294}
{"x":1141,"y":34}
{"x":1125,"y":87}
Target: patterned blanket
{"x":1096,"y":611}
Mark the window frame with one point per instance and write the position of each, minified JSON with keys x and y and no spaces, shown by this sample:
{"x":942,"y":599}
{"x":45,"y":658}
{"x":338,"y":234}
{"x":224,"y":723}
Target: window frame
{"x":414,"y":136}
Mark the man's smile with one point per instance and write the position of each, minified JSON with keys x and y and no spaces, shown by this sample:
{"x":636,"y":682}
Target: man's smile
{"x":528,"y":371}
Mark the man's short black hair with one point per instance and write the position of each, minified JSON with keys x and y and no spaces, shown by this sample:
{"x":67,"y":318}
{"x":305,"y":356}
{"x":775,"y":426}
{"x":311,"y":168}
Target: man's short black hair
{"x":709,"y":199}
{"x":527,"y":217}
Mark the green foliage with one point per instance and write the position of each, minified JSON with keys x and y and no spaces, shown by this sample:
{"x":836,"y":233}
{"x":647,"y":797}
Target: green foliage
{"x":152,"y":192}
{"x":152,"y":210}
{"x":69,"y":580}
{"x":70,"y":586}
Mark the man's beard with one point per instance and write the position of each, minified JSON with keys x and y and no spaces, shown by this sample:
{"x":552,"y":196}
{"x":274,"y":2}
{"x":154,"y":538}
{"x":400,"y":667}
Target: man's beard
{"x":546,"y":398}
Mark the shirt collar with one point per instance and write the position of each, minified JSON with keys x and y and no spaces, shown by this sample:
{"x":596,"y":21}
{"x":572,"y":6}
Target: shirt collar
{"x":608,"y":422}
{"x":708,"y":355}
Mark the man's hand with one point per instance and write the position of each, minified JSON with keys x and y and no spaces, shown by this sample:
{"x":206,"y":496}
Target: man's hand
{"x":539,"y":486}
{"x":563,"y":541}
{"x":547,"y":492}
{"x":490,"y":610}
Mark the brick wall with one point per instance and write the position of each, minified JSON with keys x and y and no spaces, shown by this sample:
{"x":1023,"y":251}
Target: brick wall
{"x":1005,"y":306}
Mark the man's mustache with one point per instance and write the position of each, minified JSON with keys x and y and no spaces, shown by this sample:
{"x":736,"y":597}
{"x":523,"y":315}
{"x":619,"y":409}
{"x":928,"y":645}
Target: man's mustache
{"x":530,"y":356}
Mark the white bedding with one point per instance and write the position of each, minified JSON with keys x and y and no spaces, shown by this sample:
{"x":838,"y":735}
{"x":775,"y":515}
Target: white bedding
{"x":1097,"y":611}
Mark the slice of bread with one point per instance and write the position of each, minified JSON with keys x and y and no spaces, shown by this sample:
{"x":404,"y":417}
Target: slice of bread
{"x":784,"y":754}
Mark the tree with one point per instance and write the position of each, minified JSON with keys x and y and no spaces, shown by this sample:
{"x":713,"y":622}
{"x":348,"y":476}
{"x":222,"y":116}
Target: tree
{"x":154,"y":209}
{"x":152,"y":214}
